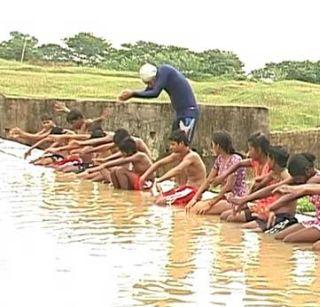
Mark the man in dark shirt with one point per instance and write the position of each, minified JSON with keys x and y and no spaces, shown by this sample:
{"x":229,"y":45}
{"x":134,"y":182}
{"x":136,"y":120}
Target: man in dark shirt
{"x":167,"y":78}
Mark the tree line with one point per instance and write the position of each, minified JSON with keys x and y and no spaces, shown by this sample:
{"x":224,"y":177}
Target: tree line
{"x":306,"y":71}
{"x":85,"y":49}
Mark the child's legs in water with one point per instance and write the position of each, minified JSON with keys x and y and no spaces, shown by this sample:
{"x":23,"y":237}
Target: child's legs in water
{"x":198,"y":205}
{"x":316,"y":246}
{"x":291,"y":229}
{"x":258,"y":229}
{"x":310,"y":234}
{"x":106,"y":175}
{"x":87,"y":176}
{"x":97,"y":177}
{"x":114,"y":178}
{"x":250,"y":225}
{"x":201,"y":204}
{"x":125,"y":178}
{"x":224,"y":215}
{"x":220,"y":207}
{"x":161,"y":201}
{"x":239,"y":218}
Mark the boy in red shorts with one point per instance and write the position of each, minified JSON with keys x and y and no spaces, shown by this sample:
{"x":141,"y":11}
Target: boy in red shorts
{"x":189,"y":164}
{"x":128,"y":178}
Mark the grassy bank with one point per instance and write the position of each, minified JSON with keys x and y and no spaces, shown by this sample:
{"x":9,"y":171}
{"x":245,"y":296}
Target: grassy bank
{"x":292,"y":104}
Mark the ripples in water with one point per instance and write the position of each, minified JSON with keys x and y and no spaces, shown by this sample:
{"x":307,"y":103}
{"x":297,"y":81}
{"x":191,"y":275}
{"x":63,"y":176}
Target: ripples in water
{"x":67,"y":242}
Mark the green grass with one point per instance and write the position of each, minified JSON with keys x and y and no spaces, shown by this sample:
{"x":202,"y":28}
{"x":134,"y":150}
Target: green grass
{"x":293,"y":105}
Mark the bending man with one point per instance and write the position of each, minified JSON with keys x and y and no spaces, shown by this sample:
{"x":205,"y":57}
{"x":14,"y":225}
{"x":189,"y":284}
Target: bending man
{"x":183,"y":101}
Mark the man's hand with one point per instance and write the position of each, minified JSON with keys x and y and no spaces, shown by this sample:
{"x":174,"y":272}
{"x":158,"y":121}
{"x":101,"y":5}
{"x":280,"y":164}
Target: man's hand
{"x":125,"y":95}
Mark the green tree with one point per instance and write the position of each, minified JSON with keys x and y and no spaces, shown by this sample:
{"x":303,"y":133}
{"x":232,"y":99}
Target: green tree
{"x":20,"y":46}
{"x":88,"y":49}
{"x":192,"y":64}
{"x":290,"y":70}
{"x":54,"y":52}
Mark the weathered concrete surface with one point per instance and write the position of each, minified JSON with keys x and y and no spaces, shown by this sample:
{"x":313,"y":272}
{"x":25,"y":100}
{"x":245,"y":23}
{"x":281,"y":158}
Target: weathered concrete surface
{"x":150,"y":121}
{"x":299,"y":141}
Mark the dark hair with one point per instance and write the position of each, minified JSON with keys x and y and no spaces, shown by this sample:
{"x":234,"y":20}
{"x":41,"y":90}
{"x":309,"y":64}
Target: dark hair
{"x":97,"y":133}
{"x":259,"y":140}
{"x":57,"y":130}
{"x":73,"y":115}
{"x":279,"y":154}
{"x":299,"y":163}
{"x":120,"y":135}
{"x":128,"y":145}
{"x":95,"y":126}
{"x":179,"y":136}
{"x":223,"y":139}
{"x":45,"y":117}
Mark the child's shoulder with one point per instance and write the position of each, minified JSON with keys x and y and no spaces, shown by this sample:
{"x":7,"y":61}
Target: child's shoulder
{"x":235,"y":158}
{"x":140,"y":155}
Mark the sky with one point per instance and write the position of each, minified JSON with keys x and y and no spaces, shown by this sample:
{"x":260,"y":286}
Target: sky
{"x":258,"y":31}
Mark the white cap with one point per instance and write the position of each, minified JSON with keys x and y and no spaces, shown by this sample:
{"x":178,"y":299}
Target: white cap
{"x":147,"y":72}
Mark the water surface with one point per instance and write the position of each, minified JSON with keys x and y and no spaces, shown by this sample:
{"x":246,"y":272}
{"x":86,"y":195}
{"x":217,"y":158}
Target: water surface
{"x":66,"y":242}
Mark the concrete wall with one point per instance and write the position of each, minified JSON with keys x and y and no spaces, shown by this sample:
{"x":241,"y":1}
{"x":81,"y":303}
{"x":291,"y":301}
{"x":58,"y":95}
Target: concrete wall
{"x":143,"y":119}
{"x":154,"y":119}
{"x":299,"y":141}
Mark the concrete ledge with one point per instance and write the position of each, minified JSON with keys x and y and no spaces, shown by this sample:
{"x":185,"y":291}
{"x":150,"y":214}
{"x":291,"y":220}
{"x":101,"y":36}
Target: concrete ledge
{"x":151,"y":121}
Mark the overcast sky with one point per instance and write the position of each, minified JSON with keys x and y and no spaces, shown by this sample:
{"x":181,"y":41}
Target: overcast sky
{"x":259,"y":31}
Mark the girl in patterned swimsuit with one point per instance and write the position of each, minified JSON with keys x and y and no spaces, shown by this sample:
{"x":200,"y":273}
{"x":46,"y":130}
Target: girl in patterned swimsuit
{"x":260,"y":201}
{"x":226,"y":157}
{"x":258,"y":160}
{"x":301,"y":168}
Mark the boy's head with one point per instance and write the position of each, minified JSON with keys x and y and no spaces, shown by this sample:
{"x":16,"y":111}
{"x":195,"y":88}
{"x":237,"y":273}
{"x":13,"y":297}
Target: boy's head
{"x":278,"y":156}
{"x":97,"y":133}
{"x":46,"y":121}
{"x":301,"y":167}
{"x":258,"y":145}
{"x":75,"y":118}
{"x":178,"y":141}
{"x":120,"y":135}
{"x":128,"y":146}
{"x":57,"y":130}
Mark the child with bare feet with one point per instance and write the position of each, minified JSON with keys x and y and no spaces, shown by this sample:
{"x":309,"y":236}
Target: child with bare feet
{"x":226,"y":156}
{"x":190,"y":164}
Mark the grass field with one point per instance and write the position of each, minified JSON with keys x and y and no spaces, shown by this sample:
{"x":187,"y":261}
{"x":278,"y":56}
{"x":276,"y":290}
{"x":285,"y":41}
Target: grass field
{"x":293,"y":105}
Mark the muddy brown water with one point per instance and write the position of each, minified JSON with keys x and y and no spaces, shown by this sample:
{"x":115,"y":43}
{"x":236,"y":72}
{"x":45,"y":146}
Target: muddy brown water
{"x":66,"y":242}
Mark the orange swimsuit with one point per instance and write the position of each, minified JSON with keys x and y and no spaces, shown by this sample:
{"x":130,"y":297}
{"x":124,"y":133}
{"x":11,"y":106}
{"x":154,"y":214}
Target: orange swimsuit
{"x":261,"y":206}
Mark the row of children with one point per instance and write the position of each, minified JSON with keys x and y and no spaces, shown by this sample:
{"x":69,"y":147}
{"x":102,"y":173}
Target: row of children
{"x":124,"y":161}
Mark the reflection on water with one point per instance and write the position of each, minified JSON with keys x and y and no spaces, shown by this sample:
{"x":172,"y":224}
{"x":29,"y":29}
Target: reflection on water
{"x":66,"y":242}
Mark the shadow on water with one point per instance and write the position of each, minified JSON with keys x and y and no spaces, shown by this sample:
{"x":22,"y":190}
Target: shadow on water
{"x":66,"y":242}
